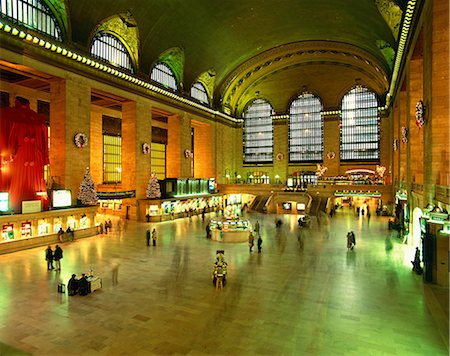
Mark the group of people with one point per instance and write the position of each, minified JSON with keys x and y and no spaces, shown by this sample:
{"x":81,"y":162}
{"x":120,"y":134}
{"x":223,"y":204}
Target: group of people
{"x":78,"y":286}
{"x":69,"y":232}
{"x":251,"y":238}
{"x":104,"y":227}
{"x":51,"y":256}
{"x":220,"y":269}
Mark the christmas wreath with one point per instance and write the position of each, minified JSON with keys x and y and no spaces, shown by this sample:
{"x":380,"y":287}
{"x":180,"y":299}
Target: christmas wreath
{"x":404,"y":135}
{"x":395,"y":144}
{"x":80,"y":140}
{"x":420,"y":109}
{"x":188,"y":153}
{"x":145,"y":148}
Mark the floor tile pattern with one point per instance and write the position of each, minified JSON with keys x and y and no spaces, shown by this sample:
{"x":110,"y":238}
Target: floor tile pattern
{"x":305,"y":294}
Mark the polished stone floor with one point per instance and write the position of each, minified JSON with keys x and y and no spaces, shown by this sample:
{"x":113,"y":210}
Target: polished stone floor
{"x":305,"y":294}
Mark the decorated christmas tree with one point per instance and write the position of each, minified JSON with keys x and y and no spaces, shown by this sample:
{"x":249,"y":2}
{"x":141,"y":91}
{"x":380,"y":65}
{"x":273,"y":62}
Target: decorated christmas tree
{"x":153,"y":190}
{"x":87,"y":193}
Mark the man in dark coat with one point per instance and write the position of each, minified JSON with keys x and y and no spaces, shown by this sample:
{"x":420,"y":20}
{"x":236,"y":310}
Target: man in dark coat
{"x":148,"y":236}
{"x":49,"y":258}
{"x":72,"y":286}
{"x":57,"y":256}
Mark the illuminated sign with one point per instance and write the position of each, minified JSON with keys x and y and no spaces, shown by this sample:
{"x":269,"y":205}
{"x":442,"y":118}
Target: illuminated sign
{"x":61,"y":198}
{"x":4,"y":201}
{"x":345,"y":193}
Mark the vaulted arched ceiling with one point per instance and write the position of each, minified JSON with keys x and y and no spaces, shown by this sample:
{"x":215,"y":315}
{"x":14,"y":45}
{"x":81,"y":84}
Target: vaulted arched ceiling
{"x":270,"y":48}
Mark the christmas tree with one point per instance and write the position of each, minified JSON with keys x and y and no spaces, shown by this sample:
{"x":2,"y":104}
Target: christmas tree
{"x":153,"y":190}
{"x":87,"y":193}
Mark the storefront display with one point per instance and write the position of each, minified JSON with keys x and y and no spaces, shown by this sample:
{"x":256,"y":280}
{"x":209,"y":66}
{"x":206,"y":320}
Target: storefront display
{"x":4,"y":201}
{"x":26,"y":229}
{"x":8,"y":232}
{"x":43,"y":227}
{"x":71,"y":222}
{"x":57,"y":224}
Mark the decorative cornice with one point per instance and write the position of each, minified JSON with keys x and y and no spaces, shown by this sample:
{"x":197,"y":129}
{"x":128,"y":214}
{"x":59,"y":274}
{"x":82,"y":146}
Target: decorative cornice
{"x":58,"y":50}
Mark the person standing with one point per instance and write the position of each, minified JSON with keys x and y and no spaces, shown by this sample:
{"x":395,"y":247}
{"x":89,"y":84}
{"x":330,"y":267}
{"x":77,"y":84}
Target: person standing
{"x":154,"y":237}
{"x":251,"y":240}
{"x":259,"y":243}
{"x":49,"y":258}
{"x":257,"y":227}
{"x":148,"y":236}
{"x":115,"y":271}
{"x":57,"y":256}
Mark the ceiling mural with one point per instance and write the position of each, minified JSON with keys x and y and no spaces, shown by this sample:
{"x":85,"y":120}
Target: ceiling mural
{"x":392,"y":14}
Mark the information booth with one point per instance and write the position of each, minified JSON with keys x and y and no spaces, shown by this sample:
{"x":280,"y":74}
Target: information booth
{"x":230,"y":230}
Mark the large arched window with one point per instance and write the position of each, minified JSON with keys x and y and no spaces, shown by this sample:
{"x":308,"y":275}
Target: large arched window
{"x":162,"y":74}
{"x":360,"y":129}
{"x":306,"y":129}
{"x":33,"y":14}
{"x":109,"y":48}
{"x":258,"y":132}
{"x":198,"y":92}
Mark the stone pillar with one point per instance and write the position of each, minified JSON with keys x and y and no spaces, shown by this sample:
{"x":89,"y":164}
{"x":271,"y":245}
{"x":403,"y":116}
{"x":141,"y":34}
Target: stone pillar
{"x":96,"y":145}
{"x":69,"y":115}
{"x":436,"y":94}
{"x":179,"y":140}
{"x":280,"y":145}
{"x":415,"y":134}
{"x":136,"y":130}
{"x":203,"y":151}
{"x":331,"y":143}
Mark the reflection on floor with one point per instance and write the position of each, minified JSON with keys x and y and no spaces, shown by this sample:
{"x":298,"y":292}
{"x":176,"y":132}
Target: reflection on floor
{"x":305,"y":294}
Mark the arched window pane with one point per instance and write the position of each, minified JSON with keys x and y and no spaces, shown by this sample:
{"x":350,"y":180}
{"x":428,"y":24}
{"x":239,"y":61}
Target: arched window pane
{"x":109,"y":48}
{"x":198,"y":92}
{"x":258,"y":133}
{"x":162,"y":74}
{"x":305,"y":129}
{"x":33,"y":14}
{"x":360,"y":126}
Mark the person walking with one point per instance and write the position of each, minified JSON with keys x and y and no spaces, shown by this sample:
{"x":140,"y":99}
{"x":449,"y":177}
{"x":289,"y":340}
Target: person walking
{"x":350,"y":240}
{"x":257,"y":227}
{"x":154,"y":237}
{"x":251,"y":240}
{"x":259,"y":243}
{"x":57,"y":256}
{"x":49,"y":258}
{"x":148,"y":236}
